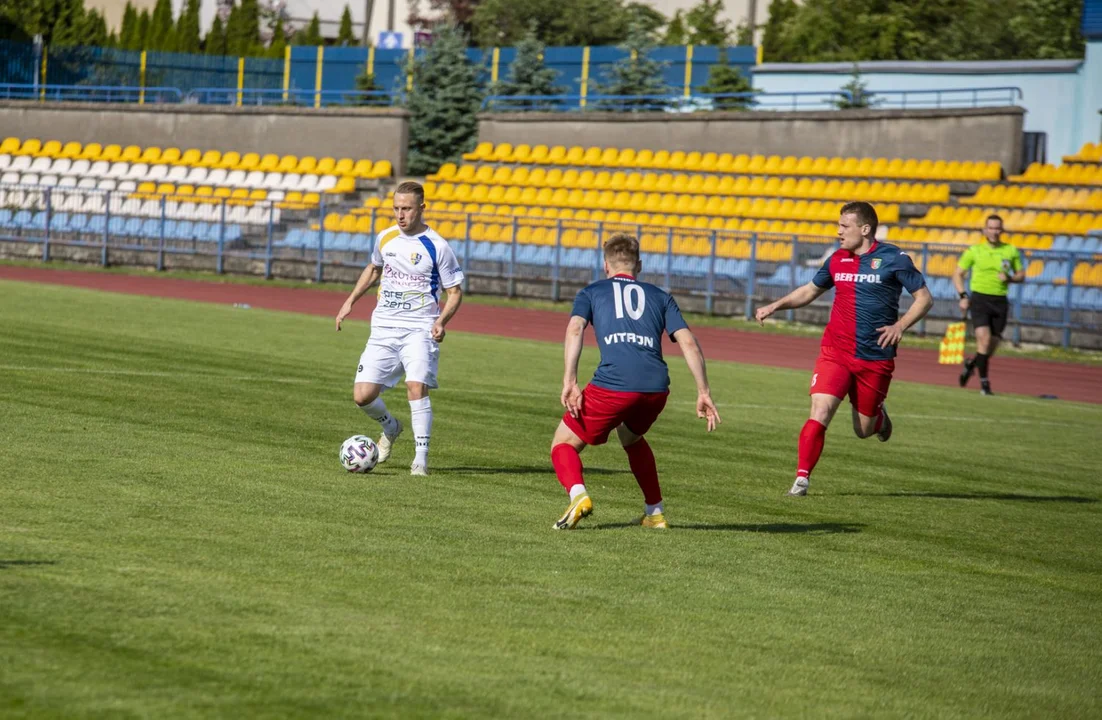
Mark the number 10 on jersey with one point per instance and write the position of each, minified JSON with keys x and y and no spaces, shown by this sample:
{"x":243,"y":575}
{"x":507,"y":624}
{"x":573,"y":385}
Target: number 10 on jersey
{"x":629,"y":297}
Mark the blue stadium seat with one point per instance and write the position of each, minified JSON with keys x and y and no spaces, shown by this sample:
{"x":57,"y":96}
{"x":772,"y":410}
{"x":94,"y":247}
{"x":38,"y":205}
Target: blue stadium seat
{"x":1060,"y":242}
{"x":150,"y":229}
{"x":96,"y":224}
{"x":361,"y":242}
{"x":6,"y":218}
{"x":339,"y":241}
{"x":1029,"y":293}
{"x":233,"y":233}
{"x":38,"y":222}
{"x":59,"y":222}
{"x":1091,"y":243}
{"x":1075,"y":244}
{"x":78,"y":222}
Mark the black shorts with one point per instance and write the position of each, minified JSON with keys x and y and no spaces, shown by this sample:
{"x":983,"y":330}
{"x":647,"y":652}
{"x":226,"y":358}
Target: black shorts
{"x":990,"y":311}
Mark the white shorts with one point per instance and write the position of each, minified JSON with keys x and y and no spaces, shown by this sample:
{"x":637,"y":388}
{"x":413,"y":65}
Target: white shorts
{"x":389,"y":351}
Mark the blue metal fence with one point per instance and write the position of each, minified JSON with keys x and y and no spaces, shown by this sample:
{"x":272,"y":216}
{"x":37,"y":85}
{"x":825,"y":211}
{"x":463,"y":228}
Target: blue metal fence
{"x":733,"y":268}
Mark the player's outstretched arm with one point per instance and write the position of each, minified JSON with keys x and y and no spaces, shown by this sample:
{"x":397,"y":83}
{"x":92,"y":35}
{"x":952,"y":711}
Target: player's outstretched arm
{"x":451,"y":306}
{"x":571,"y":397}
{"x":803,"y":295}
{"x":892,"y":334}
{"x":367,"y":279}
{"x":694,"y":357}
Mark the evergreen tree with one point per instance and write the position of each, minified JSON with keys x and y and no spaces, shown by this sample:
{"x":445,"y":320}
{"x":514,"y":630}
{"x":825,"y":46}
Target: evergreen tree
{"x":642,"y":14}
{"x":243,"y":29}
{"x":187,"y":28}
{"x":636,"y":74}
{"x":162,"y":31}
{"x":365,"y":82}
{"x":144,"y":22}
{"x":499,"y":23}
{"x":94,"y":30}
{"x":781,"y":13}
{"x":68,"y":25}
{"x":129,"y":38}
{"x":311,"y":34}
{"x":676,"y":34}
{"x":215,"y":43}
{"x":278,"y":46}
{"x":859,"y":98}
{"x":723,"y":78}
{"x":528,"y":75}
{"x":345,"y":35}
{"x":443,"y":102}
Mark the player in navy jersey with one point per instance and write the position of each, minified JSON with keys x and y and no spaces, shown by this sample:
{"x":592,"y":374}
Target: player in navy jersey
{"x":630,"y":387}
{"x":857,"y":358}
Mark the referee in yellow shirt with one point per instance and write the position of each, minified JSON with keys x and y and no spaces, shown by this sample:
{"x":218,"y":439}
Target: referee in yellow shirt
{"x":993,"y":265}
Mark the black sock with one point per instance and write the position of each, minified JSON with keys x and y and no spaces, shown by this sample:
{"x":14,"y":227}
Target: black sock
{"x":981,"y":365}
{"x":969,"y":363}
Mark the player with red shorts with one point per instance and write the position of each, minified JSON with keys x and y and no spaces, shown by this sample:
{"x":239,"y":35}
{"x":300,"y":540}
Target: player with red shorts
{"x":629,"y":389}
{"x":857,"y":358}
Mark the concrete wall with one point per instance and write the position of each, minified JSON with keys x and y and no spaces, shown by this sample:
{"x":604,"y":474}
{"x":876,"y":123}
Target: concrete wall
{"x":966,"y":134}
{"x":377,"y":134}
{"x":1056,"y":94}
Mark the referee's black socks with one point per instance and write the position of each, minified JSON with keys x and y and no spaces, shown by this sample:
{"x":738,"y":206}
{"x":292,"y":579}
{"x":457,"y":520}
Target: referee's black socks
{"x":981,"y":364}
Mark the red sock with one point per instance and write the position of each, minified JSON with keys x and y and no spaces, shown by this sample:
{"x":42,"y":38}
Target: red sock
{"x":568,"y":465}
{"x":643,"y":468}
{"x":812,"y":438}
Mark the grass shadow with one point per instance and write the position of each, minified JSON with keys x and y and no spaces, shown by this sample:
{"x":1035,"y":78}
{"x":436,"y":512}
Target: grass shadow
{"x":775,"y":528}
{"x":980,"y":496}
{"x":8,"y":564}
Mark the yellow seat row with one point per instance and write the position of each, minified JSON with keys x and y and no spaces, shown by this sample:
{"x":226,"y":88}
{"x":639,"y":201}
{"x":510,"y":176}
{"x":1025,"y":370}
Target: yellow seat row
{"x":230,"y":160}
{"x":665,"y":203}
{"x":1042,"y":221}
{"x":759,"y":185}
{"x":1089,"y":274}
{"x":153,"y":189}
{"x":922,"y":235}
{"x":1089,"y":153}
{"x":729,"y":163}
{"x":1060,"y":175}
{"x":1029,"y":196}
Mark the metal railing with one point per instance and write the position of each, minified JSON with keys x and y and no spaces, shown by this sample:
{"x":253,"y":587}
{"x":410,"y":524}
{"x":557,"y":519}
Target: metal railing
{"x":90,"y":93}
{"x":722,"y":270}
{"x":944,"y":98}
{"x":297,"y":97}
{"x":699,"y":102}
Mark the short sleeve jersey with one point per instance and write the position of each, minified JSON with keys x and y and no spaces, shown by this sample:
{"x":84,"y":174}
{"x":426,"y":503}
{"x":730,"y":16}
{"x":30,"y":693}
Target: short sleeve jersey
{"x":986,"y":261}
{"x":415,"y":269}
{"x":866,"y":297}
{"x":629,"y":318}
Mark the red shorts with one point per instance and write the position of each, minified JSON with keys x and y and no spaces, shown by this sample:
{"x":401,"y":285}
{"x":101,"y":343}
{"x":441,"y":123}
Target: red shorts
{"x":604,"y":410}
{"x":865,"y":381}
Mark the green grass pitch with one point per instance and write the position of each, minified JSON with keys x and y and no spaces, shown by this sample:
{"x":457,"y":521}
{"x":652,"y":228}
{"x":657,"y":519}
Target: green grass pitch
{"x":177,"y":539}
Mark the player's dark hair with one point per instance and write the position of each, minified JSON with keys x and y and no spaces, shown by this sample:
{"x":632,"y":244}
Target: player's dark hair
{"x":622,"y":250}
{"x":994,"y":217}
{"x":866,"y":215}
{"x":411,"y":188}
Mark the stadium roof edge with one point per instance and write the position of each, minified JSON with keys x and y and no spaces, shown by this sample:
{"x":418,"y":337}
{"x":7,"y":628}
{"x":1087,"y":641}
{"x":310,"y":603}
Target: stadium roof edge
{"x":984,"y":67}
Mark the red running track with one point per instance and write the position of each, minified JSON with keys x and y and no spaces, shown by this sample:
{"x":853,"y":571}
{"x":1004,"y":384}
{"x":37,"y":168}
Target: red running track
{"x":1067,"y":381}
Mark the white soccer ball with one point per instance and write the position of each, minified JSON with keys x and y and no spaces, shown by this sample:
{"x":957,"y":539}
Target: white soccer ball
{"x":359,"y":454}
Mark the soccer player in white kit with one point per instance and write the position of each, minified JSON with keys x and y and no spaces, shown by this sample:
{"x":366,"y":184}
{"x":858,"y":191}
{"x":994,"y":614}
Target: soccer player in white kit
{"x":407,"y":326}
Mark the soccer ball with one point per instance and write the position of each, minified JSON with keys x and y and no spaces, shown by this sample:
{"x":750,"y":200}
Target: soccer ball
{"x":359,"y":454}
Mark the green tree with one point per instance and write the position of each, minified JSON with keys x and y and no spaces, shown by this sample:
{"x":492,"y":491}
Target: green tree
{"x":68,"y":24}
{"x":129,"y":37}
{"x":781,"y":13}
{"x":144,"y":22}
{"x":345,"y":36}
{"x":858,"y":97}
{"x":635,"y":74}
{"x":646,"y":17}
{"x":309,"y":35}
{"x":500,"y":23}
{"x":724,"y":78}
{"x":278,"y":45}
{"x":528,"y":75}
{"x":215,"y":44}
{"x":187,"y":28}
{"x":162,"y":31}
{"x":243,"y":29}
{"x":1059,"y":36}
{"x":676,"y":32}
{"x":443,"y":102}
{"x":94,"y":30}
{"x":456,"y":12}
{"x":365,"y":82}
{"x":701,"y":25}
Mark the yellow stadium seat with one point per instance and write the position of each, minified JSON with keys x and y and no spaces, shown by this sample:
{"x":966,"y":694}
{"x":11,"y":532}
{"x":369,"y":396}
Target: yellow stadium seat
{"x":268,"y":163}
{"x":10,"y":146}
{"x":29,"y":147}
{"x":482,"y":152}
{"x":50,"y":149}
{"x":539,"y":154}
{"x":91,"y":151}
{"x":382,"y":169}
{"x":69,"y":150}
{"x":556,"y":155}
{"x":574,"y":156}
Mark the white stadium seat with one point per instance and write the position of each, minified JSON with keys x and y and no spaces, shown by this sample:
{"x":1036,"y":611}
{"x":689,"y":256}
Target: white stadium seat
{"x":61,"y":166}
{"x":254,"y":180}
{"x":106,"y":184}
{"x":29,"y":179}
{"x":20,"y":163}
{"x":118,"y":170}
{"x":236,"y":178}
{"x":86,"y":182}
{"x":196,"y":176}
{"x":308,"y":183}
{"x":290,"y":181}
{"x":67,"y":181}
{"x":128,"y":186}
{"x":5,"y":161}
{"x":157,"y":173}
{"x":10,"y":178}
{"x":276,"y":195}
{"x":326,"y":182}
{"x":177,"y":175}
{"x":137,"y":172}
{"x":41,"y":165}
{"x":271,"y":181}
{"x":94,"y":204}
{"x":99,"y":169}
{"x":217,"y":176}
{"x":79,"y":168}
{"x":48,"y":181}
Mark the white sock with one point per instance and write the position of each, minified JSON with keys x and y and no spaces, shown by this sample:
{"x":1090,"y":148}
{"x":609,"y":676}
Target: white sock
{"x":655,"y":509}
{"x":376,"y":410}
{"x":421,"y":418}
{"x":576,"y":491}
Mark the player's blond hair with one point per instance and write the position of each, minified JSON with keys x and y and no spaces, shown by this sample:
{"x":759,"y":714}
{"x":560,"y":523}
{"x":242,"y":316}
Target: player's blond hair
{"x":411,"y":188}
{"x":622,"y":250}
